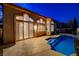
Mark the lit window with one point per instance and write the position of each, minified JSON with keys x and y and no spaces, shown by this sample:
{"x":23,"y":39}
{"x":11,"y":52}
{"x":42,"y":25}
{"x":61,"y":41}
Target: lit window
{"x":41,"y":27}
{"x":38,"y":21}
{"x":52,"y":22}
{"x":19,"y":18}
{"x":35,"y":27}
{"x":25,"y":30}
{"x":31,"y":19}
{"x":41,"y":20}
{"x":31,"y":29}
{"x":52,"y":27}
{"x":20,"y":30}
{"x":26,"y":17}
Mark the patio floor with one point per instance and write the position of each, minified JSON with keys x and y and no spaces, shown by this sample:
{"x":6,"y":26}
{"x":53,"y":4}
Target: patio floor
{"x":31,"y":47}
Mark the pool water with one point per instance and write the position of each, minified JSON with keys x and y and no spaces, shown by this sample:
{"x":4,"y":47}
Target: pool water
{"x":63,"y":44}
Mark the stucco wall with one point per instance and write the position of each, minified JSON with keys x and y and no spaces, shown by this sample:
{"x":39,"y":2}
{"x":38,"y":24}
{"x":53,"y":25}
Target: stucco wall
{"x":8,"y":27}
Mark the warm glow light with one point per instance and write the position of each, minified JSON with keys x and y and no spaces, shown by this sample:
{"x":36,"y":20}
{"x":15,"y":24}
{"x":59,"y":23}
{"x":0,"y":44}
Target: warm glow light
{"x":35,"y":28}
{"x":19,"y":17}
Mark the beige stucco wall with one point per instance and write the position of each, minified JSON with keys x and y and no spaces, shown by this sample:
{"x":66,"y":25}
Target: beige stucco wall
{"x":9,"y":30}
{"x":9,"y":26}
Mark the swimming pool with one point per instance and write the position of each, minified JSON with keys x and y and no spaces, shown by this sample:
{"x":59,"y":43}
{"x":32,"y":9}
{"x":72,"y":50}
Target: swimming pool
{"x":63,"y":44}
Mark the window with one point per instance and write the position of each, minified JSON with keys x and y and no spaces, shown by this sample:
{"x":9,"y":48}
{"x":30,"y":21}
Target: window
{"x":41,"y":27}
{"x":24,"y":27}
{"x":17,"y":30}
{"x":19,"y":18}
{"x":52,"y":22}
{"x":30,"y":29}
{"x":31,"y":19}
{"x":52,"y":27}
{"x":25,"y":30}
{"x":35,"y":28}
{"x":41,"y":20}
{"x":38,"y":21}
{"x":21,"y":30}
{"x":26,"y":17}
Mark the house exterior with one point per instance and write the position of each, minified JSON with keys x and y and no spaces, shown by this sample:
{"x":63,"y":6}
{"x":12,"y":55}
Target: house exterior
{"x":21,"y":24}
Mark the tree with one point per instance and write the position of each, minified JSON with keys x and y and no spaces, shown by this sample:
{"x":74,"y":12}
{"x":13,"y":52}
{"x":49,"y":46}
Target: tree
{"x":74,"y":24}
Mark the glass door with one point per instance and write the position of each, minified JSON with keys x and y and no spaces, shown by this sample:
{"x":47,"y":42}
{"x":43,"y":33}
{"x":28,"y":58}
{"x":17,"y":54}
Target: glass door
{"x":21,"y":30}
{"x":52,"y":28}
{"x":25,"y":30}
{"x":17,"y":30}
{"x":31,"y":31}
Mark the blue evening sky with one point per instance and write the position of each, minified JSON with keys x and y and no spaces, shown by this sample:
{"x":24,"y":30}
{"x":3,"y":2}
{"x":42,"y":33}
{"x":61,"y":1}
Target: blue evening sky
{"x":61,"y":12}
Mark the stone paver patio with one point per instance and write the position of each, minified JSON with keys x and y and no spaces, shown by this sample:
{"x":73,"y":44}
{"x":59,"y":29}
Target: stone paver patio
{"x":31,"y":47}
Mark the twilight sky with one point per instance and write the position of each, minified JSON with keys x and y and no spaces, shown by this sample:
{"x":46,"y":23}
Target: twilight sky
{"x":61,"y":12}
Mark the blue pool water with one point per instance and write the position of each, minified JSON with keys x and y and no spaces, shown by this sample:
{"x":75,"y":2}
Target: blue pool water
{"x":63,"y":44}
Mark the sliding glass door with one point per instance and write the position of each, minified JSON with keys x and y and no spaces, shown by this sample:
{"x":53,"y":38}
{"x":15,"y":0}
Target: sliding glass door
{"x":26,"y":30}
{"x":17,"y":30}
{"x":24,"y":27}
{"x":31,"y":30}
{"x":21,"y":30}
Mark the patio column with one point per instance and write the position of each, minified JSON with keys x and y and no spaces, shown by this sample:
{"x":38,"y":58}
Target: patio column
{"x":48,"y":26}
